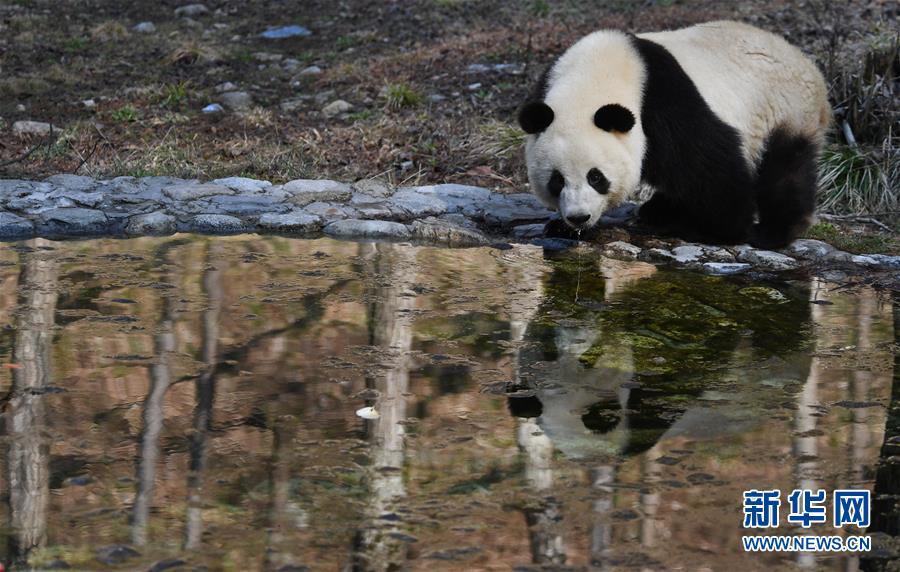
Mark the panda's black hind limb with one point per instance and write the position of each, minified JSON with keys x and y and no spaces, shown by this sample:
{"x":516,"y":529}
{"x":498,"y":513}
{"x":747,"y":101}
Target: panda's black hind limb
{"x":785,"y":189}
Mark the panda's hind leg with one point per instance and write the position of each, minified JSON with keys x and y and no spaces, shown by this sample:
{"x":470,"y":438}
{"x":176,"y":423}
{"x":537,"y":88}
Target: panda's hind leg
{"x":785,"y":189}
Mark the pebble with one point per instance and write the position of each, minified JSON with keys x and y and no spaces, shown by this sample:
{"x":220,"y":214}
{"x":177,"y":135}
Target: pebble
{"x":191,"y":10}
{"x":336,"y":107}
{"x":236,"y":100}
{"x":213,"y":108}
{"x":26,"y":128}
{"x":144,"y":27}
{"x":311,"y":70}
{"x":226,"y":86}
{"x":286,"y":32}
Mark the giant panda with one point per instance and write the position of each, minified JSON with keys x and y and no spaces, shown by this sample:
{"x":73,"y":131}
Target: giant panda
{"x":723,"y":120}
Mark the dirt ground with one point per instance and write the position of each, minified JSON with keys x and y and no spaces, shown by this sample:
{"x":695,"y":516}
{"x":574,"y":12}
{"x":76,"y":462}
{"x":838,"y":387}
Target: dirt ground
{"x":419,"y":113}
{"x":428,"y":103}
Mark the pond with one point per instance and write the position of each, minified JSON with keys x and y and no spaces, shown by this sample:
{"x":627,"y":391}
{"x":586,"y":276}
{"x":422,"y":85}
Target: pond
{"x":267,"y":403}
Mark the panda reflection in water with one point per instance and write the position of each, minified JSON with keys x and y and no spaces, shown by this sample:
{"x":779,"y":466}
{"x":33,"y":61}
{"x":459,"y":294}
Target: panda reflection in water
{"x":723,"y":120}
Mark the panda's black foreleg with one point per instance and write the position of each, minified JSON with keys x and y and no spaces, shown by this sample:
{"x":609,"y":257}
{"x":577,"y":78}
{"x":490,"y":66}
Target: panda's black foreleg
{"x":659,"y":211}
{"x":712,"y":217}
{"x":785,"y":189}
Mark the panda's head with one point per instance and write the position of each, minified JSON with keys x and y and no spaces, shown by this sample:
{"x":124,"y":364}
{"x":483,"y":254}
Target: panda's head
{"x":581,"y":161}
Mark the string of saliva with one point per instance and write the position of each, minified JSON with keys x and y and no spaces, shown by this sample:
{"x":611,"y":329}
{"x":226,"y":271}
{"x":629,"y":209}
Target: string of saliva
{"x":578,"y":262}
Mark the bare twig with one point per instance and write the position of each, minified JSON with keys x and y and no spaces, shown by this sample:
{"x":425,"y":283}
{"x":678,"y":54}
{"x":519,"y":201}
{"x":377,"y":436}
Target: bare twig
{"x":28,"y":153}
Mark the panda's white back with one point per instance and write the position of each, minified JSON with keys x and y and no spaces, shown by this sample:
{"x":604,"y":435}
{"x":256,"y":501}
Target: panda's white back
{"x":753,"y":80}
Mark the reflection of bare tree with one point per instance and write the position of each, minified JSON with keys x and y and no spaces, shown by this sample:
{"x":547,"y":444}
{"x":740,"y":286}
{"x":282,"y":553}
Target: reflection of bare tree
{"x":806,"y":448}
{"x":390,"y":327}
{"x":206,"y":388}
{"x":29,"y":450}
{"x":160,"y":380}
{"x":885,"y":508}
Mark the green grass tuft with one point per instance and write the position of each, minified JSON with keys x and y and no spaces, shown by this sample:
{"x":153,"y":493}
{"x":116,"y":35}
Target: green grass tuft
{"x":399,"y":95}
{"x":855,"y":181}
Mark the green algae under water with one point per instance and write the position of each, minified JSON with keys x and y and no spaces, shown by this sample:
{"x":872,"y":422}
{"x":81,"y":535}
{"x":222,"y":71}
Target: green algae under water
{"x":193,"y":403}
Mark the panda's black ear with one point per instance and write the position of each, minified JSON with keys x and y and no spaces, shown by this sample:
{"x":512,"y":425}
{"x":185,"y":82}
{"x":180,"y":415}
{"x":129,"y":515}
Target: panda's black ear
{"x":614,"y":117}
{"x":535,"y":116}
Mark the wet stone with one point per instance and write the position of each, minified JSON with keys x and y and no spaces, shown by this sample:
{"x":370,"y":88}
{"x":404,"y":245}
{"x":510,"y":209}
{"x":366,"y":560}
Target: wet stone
{"x":305,"y":191}
{"x":244,"y":205}
{"x":418,"y":204}
{"x":355,"y":228}
{"x":329,"y":211}
{"x":73,"y":222}
{"x":809,"y":248}
{"x":767,"y":259}
{"x":72,"y":182}
{"x":296,"y":222}
{"x":656,"y":255}
{"x":373,"y":188}
{"x":190,"y":192}
{"x":13,"y":226}
{"x":526,"y":231}
{"x":217,"y":224}
{"x":243,"y":184}
{"x":621,"y":250}
{"x":440,"y":231}
{"x":724,"y":268}
{"x":156,"y":223}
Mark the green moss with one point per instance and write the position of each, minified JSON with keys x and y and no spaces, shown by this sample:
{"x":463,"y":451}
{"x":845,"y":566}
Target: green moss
{"x":855,"y":242}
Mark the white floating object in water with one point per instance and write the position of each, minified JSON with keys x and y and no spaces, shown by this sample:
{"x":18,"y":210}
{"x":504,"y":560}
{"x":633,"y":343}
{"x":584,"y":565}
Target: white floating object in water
{"x":368,"y":413}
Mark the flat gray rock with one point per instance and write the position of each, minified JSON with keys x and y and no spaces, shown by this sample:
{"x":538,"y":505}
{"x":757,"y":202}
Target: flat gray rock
{"x":295,"y":222}
{"x":336,"y":108}
{"x":767,"y":259}
{"x":512,"y":210}
{"x":244,"y":205}
{"x":621,"y":250}
{"x":72,"y":182}
{"x":217,"y":224}
{"x":243,"y":184}
{"x":194,"y":191}
{"x":372,"y":188}
{"x":441,"y":231}
{"x":809,"y":248}
{"x":13,"y":226}
{"x":657,"y":255}
{"x":156,"y":223}
{"x":724,"y":268}
{"x":355,"y":228}
{"x":688,"y":253}
{"x":418,"y":204}
{"x":305,"y":191}
{"x":73,"y":222}
{"x":329,"y":211}
{"x":526,"y":231}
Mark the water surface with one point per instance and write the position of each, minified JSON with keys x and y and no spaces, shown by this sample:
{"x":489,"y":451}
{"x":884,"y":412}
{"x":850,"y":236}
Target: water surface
{"x":192,"y":402}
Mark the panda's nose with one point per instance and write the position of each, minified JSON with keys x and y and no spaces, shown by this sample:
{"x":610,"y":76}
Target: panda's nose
{"x":578,"y":219}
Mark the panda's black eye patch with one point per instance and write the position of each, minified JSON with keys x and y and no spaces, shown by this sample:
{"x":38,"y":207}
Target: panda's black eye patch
{"x":556,"y":184}
{"x":598,"y":181}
